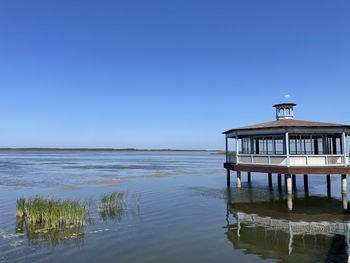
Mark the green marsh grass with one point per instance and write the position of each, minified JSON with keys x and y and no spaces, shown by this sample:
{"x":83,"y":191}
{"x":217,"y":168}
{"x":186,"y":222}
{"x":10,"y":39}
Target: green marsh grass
{"x":113,"y":205}
{"x":115,"y":200}
{"x":50,"y":211}
{"x":20,"y":207}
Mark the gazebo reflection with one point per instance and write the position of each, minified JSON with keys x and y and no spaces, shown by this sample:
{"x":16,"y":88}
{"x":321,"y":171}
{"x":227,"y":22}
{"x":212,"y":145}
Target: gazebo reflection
{"x":259,"y":223}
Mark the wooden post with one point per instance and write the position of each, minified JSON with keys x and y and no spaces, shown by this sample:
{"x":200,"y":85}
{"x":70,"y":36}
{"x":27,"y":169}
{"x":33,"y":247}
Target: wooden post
{"x":328,"y":184}
{"x":289,"y":183}
{"x":248,"y":177}
{"x":270,"y":180}
{"x":343,"y":184}
{"x":228,"y":177}
{"x":345,"y":150}
{"x":306,"y":183}
{"x":285,"y":181}
{"x":238,"y":179}
{"x":279,"y":182}
{"x":294,"y":181}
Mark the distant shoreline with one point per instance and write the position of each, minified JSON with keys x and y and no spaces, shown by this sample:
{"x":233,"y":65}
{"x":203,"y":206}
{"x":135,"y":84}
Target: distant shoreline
{"x":101,"y":150}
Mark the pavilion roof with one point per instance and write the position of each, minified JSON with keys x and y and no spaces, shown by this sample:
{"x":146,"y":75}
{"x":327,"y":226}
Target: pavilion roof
{"x":287,"y":123}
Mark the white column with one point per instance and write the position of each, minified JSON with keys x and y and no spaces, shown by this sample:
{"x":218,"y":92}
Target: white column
{"x":345,"y":148}
{"x":287,"y":147}
{"x":226,"y":144}
{"x":237,"y":160}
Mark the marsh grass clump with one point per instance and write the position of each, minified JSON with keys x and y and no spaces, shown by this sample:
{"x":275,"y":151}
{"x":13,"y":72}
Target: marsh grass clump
{"x":89,"y":204}
{"x":115,"y":200}
{"x":113,"y":205}
{"x":50,"y":211}
{"x":20,"y":207}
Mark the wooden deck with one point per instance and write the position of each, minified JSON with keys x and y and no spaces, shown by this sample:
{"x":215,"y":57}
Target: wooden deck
{"x":288,"y":170}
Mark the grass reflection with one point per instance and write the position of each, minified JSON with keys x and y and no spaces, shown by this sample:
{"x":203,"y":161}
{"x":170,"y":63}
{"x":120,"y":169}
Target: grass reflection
{"x":39,"y":233}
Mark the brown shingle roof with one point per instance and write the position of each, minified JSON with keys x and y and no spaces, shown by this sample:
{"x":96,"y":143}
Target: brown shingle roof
{"x":284,"y":104}
{"x":288,"y":123}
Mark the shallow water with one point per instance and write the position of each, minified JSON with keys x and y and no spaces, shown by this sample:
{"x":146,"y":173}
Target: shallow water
{"x":185,"y":212}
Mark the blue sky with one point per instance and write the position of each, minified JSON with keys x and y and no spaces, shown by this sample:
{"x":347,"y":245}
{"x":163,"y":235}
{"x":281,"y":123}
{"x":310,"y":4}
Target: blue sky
{"x":166,"y":74}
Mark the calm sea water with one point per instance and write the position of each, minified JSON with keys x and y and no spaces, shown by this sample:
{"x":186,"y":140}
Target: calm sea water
{"x":185,"y":211}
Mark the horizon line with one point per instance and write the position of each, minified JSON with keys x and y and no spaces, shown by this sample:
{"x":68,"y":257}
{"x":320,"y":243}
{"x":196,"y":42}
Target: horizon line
{"x":103,"y":149}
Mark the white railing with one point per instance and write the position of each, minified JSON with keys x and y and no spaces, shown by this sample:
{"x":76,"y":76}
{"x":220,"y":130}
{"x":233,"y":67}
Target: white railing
{"x":294,"y":160}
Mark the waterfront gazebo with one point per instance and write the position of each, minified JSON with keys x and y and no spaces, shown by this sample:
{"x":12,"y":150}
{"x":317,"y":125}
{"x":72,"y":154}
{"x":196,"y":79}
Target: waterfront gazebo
{"x":288,"y":146}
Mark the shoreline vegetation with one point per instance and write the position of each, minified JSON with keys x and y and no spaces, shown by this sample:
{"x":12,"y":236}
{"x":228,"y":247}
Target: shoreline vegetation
{"x":104,"y":150}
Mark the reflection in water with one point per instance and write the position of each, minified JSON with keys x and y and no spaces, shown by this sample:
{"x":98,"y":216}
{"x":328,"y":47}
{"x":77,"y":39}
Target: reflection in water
{"x":39,"y":233}
{"x":261,"y":224}
{"x":116,"y":214}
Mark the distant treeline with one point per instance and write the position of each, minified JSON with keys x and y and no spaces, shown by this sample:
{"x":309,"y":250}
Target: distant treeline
{"x":103,"y":150}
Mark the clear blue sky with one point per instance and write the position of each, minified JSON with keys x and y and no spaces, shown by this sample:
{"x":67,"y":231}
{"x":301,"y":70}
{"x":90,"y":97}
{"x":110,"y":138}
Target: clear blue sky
{"x":166,"y":74}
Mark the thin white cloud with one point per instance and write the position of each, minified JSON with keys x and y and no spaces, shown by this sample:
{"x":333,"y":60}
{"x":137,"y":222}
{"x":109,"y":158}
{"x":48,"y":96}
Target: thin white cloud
{"x":287,"y":96}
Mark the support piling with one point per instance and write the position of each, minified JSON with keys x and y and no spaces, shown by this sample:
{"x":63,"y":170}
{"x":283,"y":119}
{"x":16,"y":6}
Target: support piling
{"x":290,"y":202}
{"x":285,"y":181}
{"x":238,"y":179}
{"x":294,"y":180}
{"x":345,"y":201}
{"x":228,"y":177}
{"x":289,"y":183}
{"x":328,"y":185}
{"x":306,"y":183}
{"x":343,"y":184}
{"x":270,"y":180}
{"x":279,"y":182}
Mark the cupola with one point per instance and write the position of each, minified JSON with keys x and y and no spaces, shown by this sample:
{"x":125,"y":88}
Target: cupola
{"x":284,"y":111}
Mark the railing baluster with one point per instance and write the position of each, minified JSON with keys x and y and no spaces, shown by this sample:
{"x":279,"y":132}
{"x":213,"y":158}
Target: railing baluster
{"x":310,"y":160}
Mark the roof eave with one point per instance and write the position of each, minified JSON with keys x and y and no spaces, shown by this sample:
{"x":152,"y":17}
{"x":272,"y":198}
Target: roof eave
{"x":285,"y":127}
